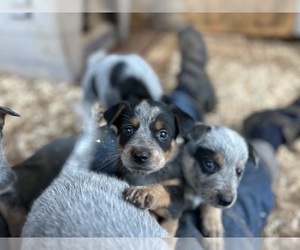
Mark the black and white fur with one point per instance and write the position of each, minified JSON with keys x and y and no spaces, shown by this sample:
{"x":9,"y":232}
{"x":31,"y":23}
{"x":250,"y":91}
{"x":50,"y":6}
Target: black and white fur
{"x":146,"y":133}
{"x":121,"y":78}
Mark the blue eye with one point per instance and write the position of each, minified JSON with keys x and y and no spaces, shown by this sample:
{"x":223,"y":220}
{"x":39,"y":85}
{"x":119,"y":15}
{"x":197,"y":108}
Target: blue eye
{"x":239,"y":171}
{"x":162,"y":135}
{"x":210,"y":165}
{"x":128,"y":130}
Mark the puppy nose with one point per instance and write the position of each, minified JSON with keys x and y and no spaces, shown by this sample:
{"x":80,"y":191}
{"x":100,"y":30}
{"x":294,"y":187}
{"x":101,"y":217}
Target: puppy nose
{"x":140,"y":156}
{"x":225,"y":199}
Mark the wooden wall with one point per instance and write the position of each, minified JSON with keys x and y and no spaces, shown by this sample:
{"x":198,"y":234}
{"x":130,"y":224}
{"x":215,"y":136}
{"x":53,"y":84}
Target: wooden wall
{"x":252,"y":24}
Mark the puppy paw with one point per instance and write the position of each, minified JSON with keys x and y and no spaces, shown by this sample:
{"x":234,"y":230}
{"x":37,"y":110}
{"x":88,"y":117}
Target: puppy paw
{"x":212,"y":243}
{"x":211,"y":221}
{"x":212,"y":227}
{"x":139,"y":196}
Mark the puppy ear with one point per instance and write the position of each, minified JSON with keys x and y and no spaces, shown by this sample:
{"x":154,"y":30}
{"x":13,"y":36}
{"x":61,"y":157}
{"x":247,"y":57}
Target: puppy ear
{"x":5,"y":111}
{"x":184,"y":122}
{"x":113,"y":114}
{"x":198,"y":132}
{"x":253,"y":156}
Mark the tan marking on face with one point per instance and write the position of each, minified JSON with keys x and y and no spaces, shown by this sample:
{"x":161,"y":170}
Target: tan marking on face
{"x":189,"y":163}
{"x":155,"y":162}
{"x":134,"y":121}
{"x":158,"y":125}
{"x":170,"y":152}
{"x":219,"y":159}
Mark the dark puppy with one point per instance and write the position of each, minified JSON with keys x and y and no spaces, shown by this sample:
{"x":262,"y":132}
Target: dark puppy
{"x":207,"y":170}
{"x":146,"y":133}
{"x":10,"y":213}
{"x":23,"y":183}
{"x":192,"y":79}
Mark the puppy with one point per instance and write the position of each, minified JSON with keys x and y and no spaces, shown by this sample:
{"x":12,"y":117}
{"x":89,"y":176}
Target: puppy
{"x":192,"y":79}
{"x":121,"y":78}
{"x":7,"y":177}
{"x":81,"y":203}
{"x":11,"y":215}
{"x":21,"y":184}
{"x":215,"y":158}
{"x":146,"y":134}
{"x":207,"y":170}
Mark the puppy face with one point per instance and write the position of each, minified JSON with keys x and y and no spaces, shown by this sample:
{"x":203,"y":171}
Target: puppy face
{"x":146,"y":133}
{"x":217,"y":160}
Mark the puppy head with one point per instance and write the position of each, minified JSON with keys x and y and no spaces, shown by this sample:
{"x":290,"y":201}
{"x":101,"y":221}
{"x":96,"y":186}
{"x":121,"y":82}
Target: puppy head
{"x":146,"y":133}
{"x":217,"y":158}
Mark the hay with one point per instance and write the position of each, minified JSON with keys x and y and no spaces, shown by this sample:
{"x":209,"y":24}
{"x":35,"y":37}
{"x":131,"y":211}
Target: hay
{"x":47,"y":109}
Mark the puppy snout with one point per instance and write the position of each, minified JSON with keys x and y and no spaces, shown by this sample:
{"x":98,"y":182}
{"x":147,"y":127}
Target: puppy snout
{"x":140,"y":156}
{"x":225,"y":200}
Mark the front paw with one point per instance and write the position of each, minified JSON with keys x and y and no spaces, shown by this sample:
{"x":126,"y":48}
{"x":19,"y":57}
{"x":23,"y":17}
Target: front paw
{"x":139,"y":196}
{"x":212,"y":243}
{"x":212,"y":226}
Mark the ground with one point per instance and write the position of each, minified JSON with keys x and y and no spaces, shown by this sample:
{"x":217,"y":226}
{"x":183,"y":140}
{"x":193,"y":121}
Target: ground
{"x":248,"y":74}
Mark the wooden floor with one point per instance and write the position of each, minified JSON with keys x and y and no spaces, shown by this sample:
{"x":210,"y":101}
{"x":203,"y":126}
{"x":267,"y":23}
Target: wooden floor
{"x":156,"y":47}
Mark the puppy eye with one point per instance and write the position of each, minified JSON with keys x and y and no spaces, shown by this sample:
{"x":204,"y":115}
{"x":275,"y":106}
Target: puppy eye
{"x":239,"y":171}
{"x":162,"y":135}
{"x":128,"y":130}
{"x":210,"y":166}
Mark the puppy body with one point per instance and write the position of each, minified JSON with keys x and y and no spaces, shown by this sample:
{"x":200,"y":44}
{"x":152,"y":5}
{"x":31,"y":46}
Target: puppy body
{"x":121,"y":78}
{"x":7,"y":177}
{"x":87,"y":204}
{"x":11,"y":214}
{"x":207,"y":170}
{"x":81,"y":203}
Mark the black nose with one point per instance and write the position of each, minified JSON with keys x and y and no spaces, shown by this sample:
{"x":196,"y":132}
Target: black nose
{"x":140,"y":156}
{"x":225,"y":200}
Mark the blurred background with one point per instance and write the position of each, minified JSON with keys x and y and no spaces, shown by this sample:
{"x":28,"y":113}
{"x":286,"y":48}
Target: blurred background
{"x":254,"y":60}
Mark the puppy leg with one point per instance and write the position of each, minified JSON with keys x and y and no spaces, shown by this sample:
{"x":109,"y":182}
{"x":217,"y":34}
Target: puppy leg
{"x":15,"y":218}
{"x":211,"y":226}
{"x":171,"y":226}
{"x":148,"y":197}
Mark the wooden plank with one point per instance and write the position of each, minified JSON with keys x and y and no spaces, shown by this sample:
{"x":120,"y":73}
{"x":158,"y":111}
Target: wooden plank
{"x":139,"y":42}
{"x":252,"y":24}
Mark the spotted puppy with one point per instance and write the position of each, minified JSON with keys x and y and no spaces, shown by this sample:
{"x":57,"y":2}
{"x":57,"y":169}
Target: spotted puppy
{"x":214,"y":162}
{"x":146,"y":134}
{"x":118,"y":78}
{"x":206,"y":171}
{"x":81,"y":203}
